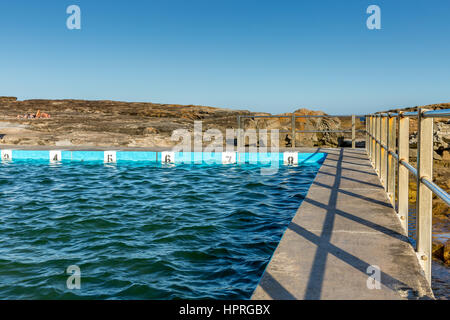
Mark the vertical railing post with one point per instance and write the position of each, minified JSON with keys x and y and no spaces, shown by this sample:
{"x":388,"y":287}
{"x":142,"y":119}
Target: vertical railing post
{"x":386,"y":156}
{"x":293,"y":131}
{"x":372,"y":144}
{"x":373,"y":139}
{"x":391,"y":139}
{"x":238,"y":134}
{"x":367,"y":136}
{"x":377,"y":145}
{"x":243,"y":134}
{"x":353,"y":132}
{"x":369,"y":139}
{"x":383,"y":153}
{"x":403,"y":173}
{"x":424,"y":195}
{"x":394,"y":162}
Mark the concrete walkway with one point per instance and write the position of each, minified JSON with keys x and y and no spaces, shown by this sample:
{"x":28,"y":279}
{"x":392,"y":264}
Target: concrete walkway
{"x":345,"y":225}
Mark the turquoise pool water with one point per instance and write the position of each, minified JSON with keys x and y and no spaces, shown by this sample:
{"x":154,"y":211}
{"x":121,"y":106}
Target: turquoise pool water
{"x":142,"y":230}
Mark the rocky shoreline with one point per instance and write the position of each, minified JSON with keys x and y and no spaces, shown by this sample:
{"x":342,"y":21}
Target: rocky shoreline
{"x":132,"y":124}
{"x":135,"y":124}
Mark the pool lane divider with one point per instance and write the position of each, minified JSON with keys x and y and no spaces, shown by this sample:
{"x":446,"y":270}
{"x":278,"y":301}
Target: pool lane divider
{"x":170,"y":157}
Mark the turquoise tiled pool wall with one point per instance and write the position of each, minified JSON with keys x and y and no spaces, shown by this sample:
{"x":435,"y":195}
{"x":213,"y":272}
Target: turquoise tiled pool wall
{"x":165,"y":156}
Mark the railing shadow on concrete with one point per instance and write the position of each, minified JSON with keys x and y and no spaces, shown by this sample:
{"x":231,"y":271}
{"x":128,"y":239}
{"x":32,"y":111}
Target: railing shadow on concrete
{"x":313,"y":291}
{"x":373,"y":185}
{"x":389,"y":156}
{"x":354,"y":170}
{"x":275,"y":289}
{"x":318,"y":268}
{"x":325,"y":247}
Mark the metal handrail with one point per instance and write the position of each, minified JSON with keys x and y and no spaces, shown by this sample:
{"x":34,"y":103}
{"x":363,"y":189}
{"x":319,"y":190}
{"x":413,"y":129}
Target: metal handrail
{"x":382,"y":147}
{"x":442,"y":113}
{"x":438,"y":191}
{"x":303,"y":116}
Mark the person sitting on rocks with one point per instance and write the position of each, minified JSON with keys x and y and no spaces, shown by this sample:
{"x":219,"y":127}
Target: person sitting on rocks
{"x":38,"y":115}
{"x":25,"y":116}
{"x":42,"y":115}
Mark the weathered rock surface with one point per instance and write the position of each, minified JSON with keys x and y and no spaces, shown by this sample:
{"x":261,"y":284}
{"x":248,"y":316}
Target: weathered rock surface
{"x":441,"y":251}
{"x":330,"y":139}
{"x":312,"y":139}
{"x":132,"y":124}
{"x":441,"y":136}
{"x":447,"y":253}
{"x":105,"y":123}
{"x":7,"y":99}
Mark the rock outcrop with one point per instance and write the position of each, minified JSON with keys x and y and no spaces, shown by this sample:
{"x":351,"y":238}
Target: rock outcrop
{"x":7,"y":99}
{"x":105,"y":123}
{"x":441,"y":136}
{"x":328,"y":139}
{"x":131,"y":124}
{"x":441,"y":251}
{"x":305,"y":139}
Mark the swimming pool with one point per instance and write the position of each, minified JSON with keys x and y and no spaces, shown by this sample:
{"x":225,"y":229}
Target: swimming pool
{"x":142,"y":230}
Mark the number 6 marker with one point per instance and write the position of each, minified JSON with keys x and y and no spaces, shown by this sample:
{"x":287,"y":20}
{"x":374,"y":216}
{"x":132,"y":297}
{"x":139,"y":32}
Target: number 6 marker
{"x":168,"y":157}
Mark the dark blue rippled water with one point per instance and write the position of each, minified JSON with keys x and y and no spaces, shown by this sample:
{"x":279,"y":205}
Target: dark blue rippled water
{"x":142,"y":231}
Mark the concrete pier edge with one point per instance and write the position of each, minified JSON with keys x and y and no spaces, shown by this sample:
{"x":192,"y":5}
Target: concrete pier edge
{"x":344,"y":235}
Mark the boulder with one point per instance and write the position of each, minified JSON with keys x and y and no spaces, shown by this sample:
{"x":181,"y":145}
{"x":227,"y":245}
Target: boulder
{"x":436,"y":156}
{"x":304,"y":139}
{"x":438,"y":251}
{"x":446,"y":155}
{"x":441,"y":251}
{"x":330,"y":139}
{"x":151,"y":130}
{"x":8,"y":99}
{"x":441,"y":136}
{"x":413,"y":154}
{"x":446,"y":253}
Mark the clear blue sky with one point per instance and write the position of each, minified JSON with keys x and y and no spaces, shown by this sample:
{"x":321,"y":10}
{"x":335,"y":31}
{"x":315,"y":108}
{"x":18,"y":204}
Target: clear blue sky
{"x":272,"y":56}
